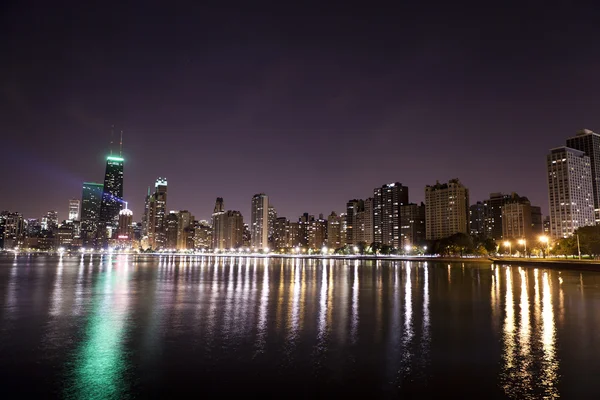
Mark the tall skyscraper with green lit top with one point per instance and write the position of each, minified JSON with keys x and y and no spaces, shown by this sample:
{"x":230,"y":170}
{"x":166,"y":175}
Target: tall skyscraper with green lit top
{"x":112,"y":199}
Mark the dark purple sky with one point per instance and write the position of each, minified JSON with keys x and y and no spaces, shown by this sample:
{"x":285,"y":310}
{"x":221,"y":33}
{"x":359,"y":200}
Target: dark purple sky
{"x":313,"y":106}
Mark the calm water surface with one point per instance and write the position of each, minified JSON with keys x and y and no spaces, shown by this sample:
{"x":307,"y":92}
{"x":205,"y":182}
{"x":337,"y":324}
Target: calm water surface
{"x":150,"y":327}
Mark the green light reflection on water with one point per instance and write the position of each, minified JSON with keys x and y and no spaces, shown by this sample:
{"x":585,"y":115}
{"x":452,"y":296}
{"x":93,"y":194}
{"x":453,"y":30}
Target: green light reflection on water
{"x":100,"y":364}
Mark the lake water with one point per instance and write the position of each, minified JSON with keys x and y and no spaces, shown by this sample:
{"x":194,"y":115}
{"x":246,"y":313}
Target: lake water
{"x":151,"y":327}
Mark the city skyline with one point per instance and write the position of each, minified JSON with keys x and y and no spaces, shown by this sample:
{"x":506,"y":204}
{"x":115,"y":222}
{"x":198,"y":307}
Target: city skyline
{"x":274,"y":107}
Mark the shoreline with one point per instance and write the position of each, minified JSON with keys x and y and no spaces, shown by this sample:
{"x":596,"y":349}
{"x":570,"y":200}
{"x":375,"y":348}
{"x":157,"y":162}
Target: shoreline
{"x":582,"y":265}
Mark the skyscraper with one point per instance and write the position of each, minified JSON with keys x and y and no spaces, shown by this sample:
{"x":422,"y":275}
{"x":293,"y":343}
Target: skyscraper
{"x":185,"y":230}
{"x":112,"y":198}
{"x":334,"y":231}
{"x":74,"y":210}
{"x":446,"y":209}
{"x":281,"y":233}
{"x":412,"y":225}
{"x":352,"y":208}
{"x":259,"y":228}
{"x":386,"y":213}
{"x":218,"y":224}
{"x":172,"y":227}
{"x":476,"y":219}
{"x":154,"y":224}
{"x":570,"y":191}
{"x":91,"y":198}
{"x":125,"y":232}
{"x":589,"y":142}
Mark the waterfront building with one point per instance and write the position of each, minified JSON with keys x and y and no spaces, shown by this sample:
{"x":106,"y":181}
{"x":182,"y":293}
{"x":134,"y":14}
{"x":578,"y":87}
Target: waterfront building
{"x":412,"y":225}
{"x":74,"y":210}
{"x":259,"y":228}
{"x":185,"y":230}
{"x":334,"y":231}
{"x":50,"y":221}
{"x":12,"y":229}
{"x":125,"y":231}
{"x":589,"y":142}
{"x":91,"y":198}
{"x":202,"y":235}
{"x":154,"y":227}
{"x":352,"y":208}
{"x":172,"y":222}
{"x":446,"y":209}
{"x":476,"y":220}
{"x":387,"y":200}
{"x":234,"y":227}
{"x":218,"y":224}
{"x":318,"y":233}
{"x":112,"y":198}
{"x":281,"y":233}
{"x":570,"y":191}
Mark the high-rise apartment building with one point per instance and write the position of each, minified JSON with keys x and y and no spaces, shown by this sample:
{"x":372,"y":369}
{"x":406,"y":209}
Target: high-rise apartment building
{"x":520,"y":220}
{"x":281,"y":233}
{"x":334,"y":231}
{"x":125,"y":232}
{"x":91,"y":198}
{"x":154,"y":222}
{"x":259,"y":224}
{"x":50,"y":221}
{"x":386,"y":213}
{"x":185,"y":230}
{"x":446,"y":209}
{"x":112,"y":198}
{"x":352,"y":208}
{"x":272,"y":218}
{"x":12,"y":227}
{"x":318,"y":233}
{"x":412,"y":225}
{"x":218,"y":224}
{"x":589,"y":142}
{"x":570,"y":191}
{"x":234,"y":228}
{"x":477,"y":219}
{"x":74,"y":210}
{"x":172,"y":227}
{"x":493,"y":214}
{"x":516,"y":220}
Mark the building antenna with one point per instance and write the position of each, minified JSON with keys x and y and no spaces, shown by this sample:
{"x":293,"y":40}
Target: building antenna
{"x":121,"y":146}
{"x":112,"y":137}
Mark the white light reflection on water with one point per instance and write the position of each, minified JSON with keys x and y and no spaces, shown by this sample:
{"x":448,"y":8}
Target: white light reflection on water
{"x":262,"y":311}
{"x":355,"y":320}
{"x":549,"y":378}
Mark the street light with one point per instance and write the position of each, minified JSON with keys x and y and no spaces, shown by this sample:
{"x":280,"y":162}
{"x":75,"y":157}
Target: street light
{"x":509,"y":245}
{"x":324,"y":250}
{"x":524,"y":243}
{"x":545,"y":239}
{"x":355,"y":249}
{"x":407,"y":248}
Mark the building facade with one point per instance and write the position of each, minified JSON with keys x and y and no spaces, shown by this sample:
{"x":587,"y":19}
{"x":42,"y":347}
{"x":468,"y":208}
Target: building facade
{"x":387,"y":201}
{"x":334,"y":231}
{"x":74,"y":206}
{"x":589,"y":142}
{"x":476,"y":220}
{"x":412,"y":225}
{"x":570,"y":191}
{"x":91,"y":198}
{"x":446,"y":209}
{"x":259,"y":224}
{"x":112,"y":198}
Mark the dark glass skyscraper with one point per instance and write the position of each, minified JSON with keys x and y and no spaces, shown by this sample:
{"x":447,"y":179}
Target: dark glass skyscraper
{"x":91,"y":197}
{"x":112,"y":199}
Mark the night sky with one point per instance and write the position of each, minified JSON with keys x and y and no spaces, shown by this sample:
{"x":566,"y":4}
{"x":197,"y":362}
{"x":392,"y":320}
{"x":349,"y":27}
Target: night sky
{"x":313,"y":105}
